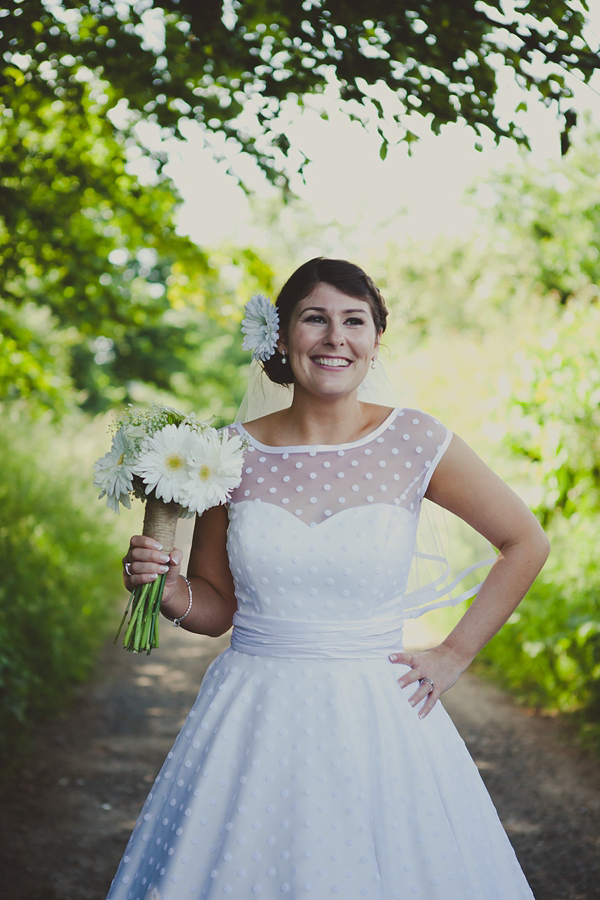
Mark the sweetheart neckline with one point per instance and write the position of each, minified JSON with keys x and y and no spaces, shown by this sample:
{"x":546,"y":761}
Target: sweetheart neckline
{"x":310,"y":525}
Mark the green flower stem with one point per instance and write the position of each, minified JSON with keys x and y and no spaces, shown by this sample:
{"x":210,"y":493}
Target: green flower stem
{"x":142,"y":629}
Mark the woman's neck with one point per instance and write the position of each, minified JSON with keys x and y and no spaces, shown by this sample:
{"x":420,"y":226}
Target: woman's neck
{"x":311,"y":420}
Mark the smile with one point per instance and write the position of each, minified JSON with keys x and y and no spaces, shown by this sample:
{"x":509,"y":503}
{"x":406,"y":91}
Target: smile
{"x":332,"y":362}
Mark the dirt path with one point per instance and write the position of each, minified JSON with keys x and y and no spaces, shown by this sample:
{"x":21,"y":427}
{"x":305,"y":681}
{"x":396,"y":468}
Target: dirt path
{"x":65,"y":820}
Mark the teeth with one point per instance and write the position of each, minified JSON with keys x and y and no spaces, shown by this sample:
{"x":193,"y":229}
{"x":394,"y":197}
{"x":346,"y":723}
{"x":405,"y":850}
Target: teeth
{"x":332,"y":363}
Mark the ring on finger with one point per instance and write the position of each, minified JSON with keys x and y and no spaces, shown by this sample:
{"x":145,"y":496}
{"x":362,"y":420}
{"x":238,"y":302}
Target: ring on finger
{"x":429,"y":681}
{"x":127,"y":569}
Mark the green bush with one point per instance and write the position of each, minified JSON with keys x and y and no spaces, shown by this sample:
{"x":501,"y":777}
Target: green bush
{"x":60,"y":575}
{"x":543,"y":430}
{"x":550,"y":650}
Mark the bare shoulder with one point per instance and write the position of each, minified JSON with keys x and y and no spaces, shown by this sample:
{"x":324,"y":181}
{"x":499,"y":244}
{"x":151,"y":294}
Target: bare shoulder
{"x":375,"y":415}
{"x":265,"y":428}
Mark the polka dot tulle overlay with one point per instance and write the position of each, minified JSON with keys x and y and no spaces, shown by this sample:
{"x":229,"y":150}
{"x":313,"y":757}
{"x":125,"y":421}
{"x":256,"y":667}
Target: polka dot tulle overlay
{"x":302,"y":771}
{"x":392,"y":465}
{"x":316,"y":779}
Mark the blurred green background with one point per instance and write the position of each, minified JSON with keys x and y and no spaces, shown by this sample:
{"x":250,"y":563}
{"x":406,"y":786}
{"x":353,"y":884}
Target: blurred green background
{"x":103,"y":301}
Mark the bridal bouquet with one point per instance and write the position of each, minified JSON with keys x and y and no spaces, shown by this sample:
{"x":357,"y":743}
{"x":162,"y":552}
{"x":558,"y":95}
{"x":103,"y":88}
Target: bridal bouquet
{"x":179,"y":467}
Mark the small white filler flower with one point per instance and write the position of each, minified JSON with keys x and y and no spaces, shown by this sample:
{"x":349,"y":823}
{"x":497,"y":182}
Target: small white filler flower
{"x":261,"y":327}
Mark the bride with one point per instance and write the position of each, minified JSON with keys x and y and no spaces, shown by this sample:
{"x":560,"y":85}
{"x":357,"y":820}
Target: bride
{"x":317,"y":761}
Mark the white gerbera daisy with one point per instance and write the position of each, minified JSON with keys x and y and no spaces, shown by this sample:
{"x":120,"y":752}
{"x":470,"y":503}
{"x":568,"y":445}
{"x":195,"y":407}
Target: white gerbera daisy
{"x":261,"y":327}
{"x":215,"y":469}
{"x":162,"y":464}
{"x":113,"y":473}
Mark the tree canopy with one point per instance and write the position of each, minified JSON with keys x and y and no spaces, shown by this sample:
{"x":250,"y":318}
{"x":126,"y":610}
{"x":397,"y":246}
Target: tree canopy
{"x":214,"y":61}
{"x":89,"y":252}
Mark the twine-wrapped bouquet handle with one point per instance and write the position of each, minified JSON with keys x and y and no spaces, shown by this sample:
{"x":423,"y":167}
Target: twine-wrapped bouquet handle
{"x":160,"y":522}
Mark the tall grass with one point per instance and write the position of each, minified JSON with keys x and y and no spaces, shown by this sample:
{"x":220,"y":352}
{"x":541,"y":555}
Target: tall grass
{"x":60,"y":572}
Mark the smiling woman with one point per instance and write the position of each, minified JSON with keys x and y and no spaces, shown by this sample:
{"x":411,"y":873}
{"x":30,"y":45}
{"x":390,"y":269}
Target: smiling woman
{"x":330,"y":344}
{"x":304,"y":768}
{"x":328,"y":278}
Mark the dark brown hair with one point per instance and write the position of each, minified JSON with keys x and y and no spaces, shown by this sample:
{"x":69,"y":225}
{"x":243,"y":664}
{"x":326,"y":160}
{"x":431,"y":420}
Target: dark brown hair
{"x":346,"y":277}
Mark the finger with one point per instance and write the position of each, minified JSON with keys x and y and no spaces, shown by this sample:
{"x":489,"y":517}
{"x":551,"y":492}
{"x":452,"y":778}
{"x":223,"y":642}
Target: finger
{"x":175,"y":560}
{"x":134,"y":577}
{"x":413,"y":674}
{"x":422,"y":693}
{"x":407,"y":659}
{"x":132,"y":581}
{"x":411,"y":677}
{"x":137,"y":572}
{"x":154,"y":552}
{"x":147,"y":568}
{"x":146,"y":563}
{"x":142,"y":540}
{"x":146,"y":554}
{"x":428,"y":705}
{"x":140,"y":558}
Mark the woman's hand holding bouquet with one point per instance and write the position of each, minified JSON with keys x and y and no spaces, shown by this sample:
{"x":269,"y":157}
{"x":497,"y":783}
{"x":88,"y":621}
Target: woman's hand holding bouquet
{"x":147,"y":562}
{"x":180,"y":467}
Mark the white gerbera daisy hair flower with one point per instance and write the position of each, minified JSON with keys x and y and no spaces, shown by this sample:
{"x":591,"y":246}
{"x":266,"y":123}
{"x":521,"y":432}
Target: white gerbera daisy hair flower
{"x":261,"y":327}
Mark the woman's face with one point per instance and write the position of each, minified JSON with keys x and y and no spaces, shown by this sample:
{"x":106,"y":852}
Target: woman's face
{"x":331,"y":341}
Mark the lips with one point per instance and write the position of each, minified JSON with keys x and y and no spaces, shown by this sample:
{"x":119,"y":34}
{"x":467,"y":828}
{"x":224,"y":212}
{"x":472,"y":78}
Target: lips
{"x":331,"y":362}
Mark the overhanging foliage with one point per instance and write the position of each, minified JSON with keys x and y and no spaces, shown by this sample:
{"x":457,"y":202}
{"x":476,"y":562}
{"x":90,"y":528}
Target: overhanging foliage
{"x":212,"y":61}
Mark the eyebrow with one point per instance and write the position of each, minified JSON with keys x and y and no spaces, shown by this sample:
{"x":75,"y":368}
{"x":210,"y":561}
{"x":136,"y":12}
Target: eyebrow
{"x":344,"y":311}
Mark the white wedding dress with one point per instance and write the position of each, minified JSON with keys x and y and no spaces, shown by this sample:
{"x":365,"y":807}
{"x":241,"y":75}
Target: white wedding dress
{"x":302,"y":771}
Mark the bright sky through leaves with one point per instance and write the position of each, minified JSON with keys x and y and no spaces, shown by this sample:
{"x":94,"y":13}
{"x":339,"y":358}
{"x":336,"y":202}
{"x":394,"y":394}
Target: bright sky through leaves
{"x":419,"y":195}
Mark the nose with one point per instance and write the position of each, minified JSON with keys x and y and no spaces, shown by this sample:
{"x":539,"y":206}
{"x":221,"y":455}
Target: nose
{"x":334,"y":336}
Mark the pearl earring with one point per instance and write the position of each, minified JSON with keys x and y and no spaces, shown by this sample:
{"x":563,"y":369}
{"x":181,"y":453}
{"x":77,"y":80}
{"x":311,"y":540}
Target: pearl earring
{"x":373,"y":361}
{"x":283,"y":357}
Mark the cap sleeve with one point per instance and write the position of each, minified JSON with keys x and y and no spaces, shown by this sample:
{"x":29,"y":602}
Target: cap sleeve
{"x":440,"y":441}
{"x":421,"y":442}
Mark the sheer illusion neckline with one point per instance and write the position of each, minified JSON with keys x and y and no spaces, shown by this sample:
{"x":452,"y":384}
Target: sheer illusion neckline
{"x":320,"y":448}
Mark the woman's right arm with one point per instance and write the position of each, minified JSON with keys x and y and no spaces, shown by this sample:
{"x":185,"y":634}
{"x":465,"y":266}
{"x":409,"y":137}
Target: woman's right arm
{"x":208,"y":572}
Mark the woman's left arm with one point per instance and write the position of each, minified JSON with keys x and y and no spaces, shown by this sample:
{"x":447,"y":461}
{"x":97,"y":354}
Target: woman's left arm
{"x":464,"y":485}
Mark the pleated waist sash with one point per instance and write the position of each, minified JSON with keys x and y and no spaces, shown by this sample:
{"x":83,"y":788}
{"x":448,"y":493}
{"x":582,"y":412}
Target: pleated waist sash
{"x":263,"y":636}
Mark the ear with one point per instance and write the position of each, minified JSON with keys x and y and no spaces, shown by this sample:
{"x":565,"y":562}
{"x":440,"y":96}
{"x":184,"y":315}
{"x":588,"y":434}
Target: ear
{"x":378,"y":339}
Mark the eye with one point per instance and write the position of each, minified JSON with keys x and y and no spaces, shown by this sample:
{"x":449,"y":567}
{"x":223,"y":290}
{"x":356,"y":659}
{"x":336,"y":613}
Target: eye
{"x":314,"y":317}
{"x":354,"y":320}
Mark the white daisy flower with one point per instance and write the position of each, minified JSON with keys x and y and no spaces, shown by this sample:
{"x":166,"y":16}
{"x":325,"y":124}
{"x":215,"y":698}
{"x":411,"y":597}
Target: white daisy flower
{"x":113,"y":473}
{"x":215,"y":469}
{"x":261,"y":327}
{"x":162,"y":464}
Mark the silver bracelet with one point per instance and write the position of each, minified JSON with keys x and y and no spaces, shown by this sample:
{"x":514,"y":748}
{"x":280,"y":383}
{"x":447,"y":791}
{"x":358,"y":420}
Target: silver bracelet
{"x":177,"y":622}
